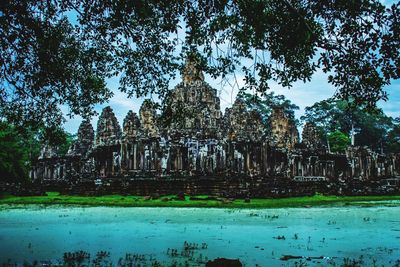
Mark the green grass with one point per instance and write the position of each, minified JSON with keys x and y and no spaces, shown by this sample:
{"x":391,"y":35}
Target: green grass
{"x":138,"y":201}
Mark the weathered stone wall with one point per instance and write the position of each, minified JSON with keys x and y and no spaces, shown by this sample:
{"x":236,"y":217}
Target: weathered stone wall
{"x":366,"y":164}
{"x":49,"y":165}
{"x":159,"y":157}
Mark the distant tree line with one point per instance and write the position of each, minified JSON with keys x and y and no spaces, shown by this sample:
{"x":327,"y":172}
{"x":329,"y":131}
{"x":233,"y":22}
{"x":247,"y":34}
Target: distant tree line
{"x":338,"y":120}
{"x":20,"y":148}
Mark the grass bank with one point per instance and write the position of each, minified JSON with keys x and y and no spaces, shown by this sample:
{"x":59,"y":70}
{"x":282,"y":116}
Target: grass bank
{"x":200,"y":201}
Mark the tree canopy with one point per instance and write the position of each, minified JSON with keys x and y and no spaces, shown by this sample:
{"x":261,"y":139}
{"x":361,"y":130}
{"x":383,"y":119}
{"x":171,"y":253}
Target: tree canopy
{"x":60,"y":52}
{"x":338,"y":141}
{"x":263,"y":105}
{"x":373,"y":129}
{"x":393,"y":137}
{"x":14,"y":161}
{"x":20,"y":149}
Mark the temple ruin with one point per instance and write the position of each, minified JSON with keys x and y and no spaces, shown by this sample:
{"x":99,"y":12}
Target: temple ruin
{"x":192,"y":138}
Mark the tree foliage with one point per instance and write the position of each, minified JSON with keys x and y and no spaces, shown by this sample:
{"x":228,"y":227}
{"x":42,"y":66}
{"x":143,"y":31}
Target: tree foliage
{"x":338,"y":141}
{"x":56,"y":53}
{"x":45,"y":64}
{"x":264,"y":103}
{"x":19,"y":149}
{"x":371,"y":129}
{"x":393,"y":138}
{"x":15,"y":154}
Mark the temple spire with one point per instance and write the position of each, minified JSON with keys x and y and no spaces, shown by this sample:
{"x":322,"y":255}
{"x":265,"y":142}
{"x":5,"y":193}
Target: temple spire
{"x":191,"y":72}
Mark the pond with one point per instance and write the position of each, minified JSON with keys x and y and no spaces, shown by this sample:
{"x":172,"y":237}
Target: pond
{"x":259,"y":237}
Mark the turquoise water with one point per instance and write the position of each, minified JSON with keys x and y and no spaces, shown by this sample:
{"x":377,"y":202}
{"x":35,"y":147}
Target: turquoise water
{"x":253,"y":236}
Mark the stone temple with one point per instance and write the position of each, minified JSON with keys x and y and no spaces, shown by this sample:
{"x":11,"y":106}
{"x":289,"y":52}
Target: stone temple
{"x":193,"y":139}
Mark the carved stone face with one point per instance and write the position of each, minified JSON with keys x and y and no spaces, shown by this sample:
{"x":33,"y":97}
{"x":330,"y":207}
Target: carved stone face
{"x":283,"y":131}
{"x":131,"y":125}
{"x":85,"y":132}
{"x":108,"y":129}
{"x":241,"y":124}
{"x":191,"y":73}
{"x":148,"y":119}
{"x":310,"y":136}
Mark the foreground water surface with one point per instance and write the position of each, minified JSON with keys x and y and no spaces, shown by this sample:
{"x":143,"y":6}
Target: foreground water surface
{"x":261,"y":236}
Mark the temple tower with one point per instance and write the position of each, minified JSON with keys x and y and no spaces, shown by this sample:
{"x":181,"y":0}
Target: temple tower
{"x":108,"y":144}
{"x":108,"y":129}
{"x":284,"y":132}
{"x":148,"y":119}
{"x":193,"y":105}
{"x":130,"y":156}
{"x":131,"y":126}
{"x":191,"y":73}
{"x":310,"y":136}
